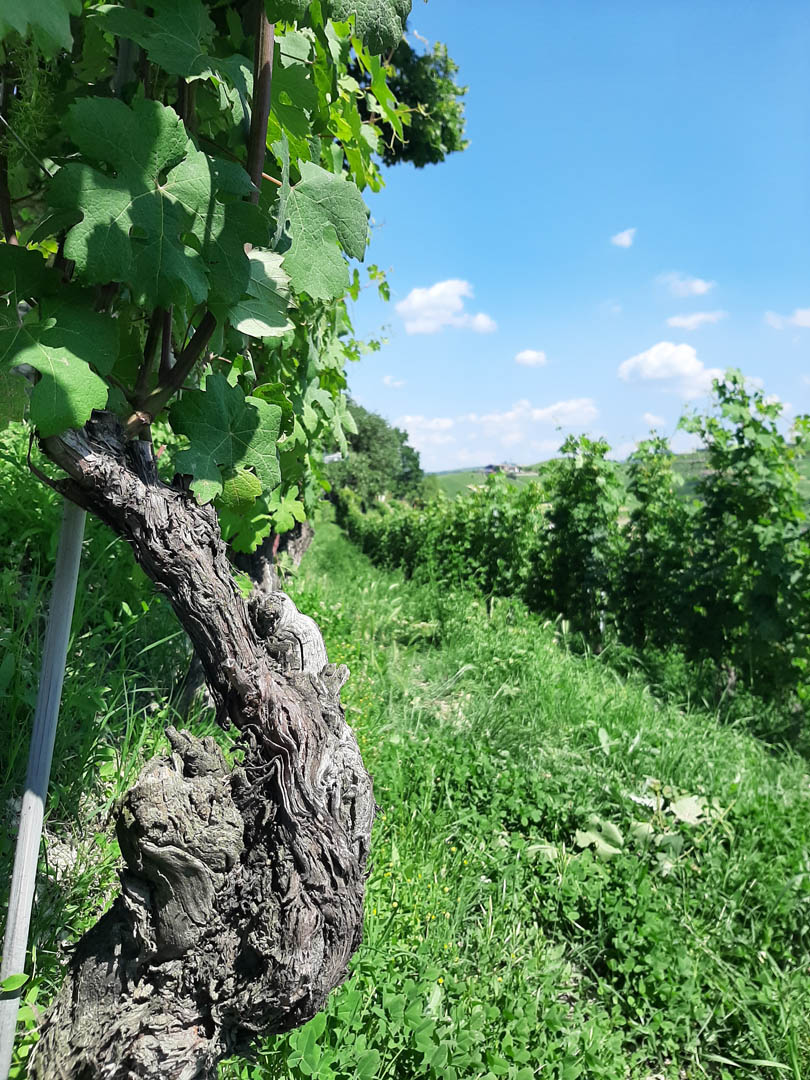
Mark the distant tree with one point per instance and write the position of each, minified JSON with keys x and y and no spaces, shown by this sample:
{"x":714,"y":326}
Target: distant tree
{"x":379,"y":461}
{"x":426,"y":83}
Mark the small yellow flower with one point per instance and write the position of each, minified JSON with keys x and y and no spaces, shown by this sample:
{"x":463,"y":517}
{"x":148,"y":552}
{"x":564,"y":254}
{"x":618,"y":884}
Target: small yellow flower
{"x":441,"y":980}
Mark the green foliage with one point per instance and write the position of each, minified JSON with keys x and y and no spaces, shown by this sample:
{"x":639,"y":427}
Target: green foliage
{"x":151,"y":267}
{"x":751,"y":547}
{"x":709,"y":596}
{"x":226,"y":430}
{"x":584,"y":546}
{"x":47,"y":21}
{"x":139,"y":220}
{"x":60,"y":338}
{"x":325,"y":214}
{"x":426,"y":84}
{"x":378,"y":460}
{"x":655,"y":565}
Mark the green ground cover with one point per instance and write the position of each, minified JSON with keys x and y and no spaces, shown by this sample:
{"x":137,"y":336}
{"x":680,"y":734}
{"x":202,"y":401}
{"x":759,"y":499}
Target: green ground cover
{"x":569,"y":879}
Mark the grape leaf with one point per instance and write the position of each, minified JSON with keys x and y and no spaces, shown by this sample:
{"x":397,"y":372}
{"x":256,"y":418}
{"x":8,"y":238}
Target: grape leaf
{"x":264,"y":312}
{"x":226,"y":431}
{"x":162,"y":188}
{"x":13,"y":398}
{"x":286,"y":510}
{"x":176,"y":38}
{"x":325,"y":213}
{"x":48,"y":21}
{"x":245,"y":530}
{"x":24,"y":275}
{"x":286,"y":10}
{"x":239,"y":491}
{"x":61,"y":346}
{"x":378,"y":23}
{"x":295,"y":95}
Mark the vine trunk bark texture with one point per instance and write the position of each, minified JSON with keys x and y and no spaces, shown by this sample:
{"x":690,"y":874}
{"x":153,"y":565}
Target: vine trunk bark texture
{"x":242,"y":898}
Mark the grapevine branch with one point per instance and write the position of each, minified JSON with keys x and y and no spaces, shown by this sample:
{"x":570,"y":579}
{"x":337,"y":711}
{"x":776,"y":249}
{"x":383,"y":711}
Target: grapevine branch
{"x":262,"y":93}
{"x":6,"y":216}
{"x":154,"y":402}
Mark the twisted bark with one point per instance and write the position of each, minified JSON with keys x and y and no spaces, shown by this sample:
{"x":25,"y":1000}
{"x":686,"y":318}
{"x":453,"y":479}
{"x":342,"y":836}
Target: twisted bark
{"x":242,"y":898}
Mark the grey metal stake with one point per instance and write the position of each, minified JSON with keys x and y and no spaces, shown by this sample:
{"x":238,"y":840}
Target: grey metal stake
{"x":23,"y":879}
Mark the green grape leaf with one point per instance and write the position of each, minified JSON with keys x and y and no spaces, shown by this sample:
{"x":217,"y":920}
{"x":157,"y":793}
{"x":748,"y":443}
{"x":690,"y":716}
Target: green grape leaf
{"x":227,"y":431}
{"x":286,"y":510}
{"x":378,"y":23}
{"x":176,"y":38}
{"x":23,"y":275}
{"x":48,"y":22}
{"x":325,"y":213}
{"x":13,"y":398}
{"x":294,"y":94}
{"x":162,"y":189}
{"x":286,"y":10}
{"x":239,"y":491}
{"x":244,"y":530}
{"x":61,"y":346}
{"x":264,"y":312}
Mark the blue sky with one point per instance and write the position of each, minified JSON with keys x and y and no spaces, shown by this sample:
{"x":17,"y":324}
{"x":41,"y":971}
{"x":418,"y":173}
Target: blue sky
{"x":629,"y":164}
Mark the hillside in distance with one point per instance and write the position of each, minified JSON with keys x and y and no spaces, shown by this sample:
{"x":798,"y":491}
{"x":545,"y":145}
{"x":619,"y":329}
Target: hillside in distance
{"x":689,"y":467}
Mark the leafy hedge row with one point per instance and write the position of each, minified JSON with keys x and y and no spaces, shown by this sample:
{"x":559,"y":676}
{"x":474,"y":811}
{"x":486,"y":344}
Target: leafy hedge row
{"x":724,"y":578}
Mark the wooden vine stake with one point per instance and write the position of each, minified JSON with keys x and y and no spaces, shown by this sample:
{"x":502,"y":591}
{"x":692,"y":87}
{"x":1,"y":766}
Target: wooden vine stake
{"x":23,"y":878}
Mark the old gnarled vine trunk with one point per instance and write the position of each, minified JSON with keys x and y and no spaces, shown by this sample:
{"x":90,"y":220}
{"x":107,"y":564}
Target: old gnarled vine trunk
{"x":242,"y":898}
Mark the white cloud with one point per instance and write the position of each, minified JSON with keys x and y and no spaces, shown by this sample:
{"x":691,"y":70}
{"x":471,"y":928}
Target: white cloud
{"x":696,"y":319}
{"x":610,"y":307}
{"x":677,"y":364}
{"x":624,"y":239}
{"x":681,"y":285}
{"x":653,"y":420}
{"x":426,"y":311}
{"x":425,"y":423}
{"x":395,"y":384}
{"x":622,"y":451}
{"x":684,"y":442}
{"x":800,"y":317}
{"x":531,"y":357}
{"x":522,"y":433}
{"x":425,"y":432}
{"x":574,"y":412}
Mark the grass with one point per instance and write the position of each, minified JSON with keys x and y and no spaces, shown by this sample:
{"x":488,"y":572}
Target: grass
{"x":569,"y":879}
{"x":498,"y":942}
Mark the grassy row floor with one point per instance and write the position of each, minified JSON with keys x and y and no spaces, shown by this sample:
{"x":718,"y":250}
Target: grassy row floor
{"x":569,"y":880}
